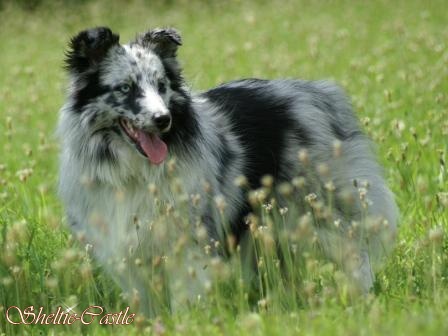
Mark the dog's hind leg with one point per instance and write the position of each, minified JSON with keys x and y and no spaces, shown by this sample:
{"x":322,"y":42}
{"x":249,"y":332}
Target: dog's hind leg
{"x":351,"y":257}
{"x":362,"y":273}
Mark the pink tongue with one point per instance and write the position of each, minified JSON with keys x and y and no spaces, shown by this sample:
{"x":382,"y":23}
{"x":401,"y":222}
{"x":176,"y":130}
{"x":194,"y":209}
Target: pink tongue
{"x":154,"y":148}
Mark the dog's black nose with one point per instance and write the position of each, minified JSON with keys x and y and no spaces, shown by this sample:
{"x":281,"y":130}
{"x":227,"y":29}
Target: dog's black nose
{"x":162,"y":121}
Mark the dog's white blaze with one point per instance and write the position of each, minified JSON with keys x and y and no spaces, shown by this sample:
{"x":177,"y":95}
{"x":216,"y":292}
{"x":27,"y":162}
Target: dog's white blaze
{"x":153,"y":103}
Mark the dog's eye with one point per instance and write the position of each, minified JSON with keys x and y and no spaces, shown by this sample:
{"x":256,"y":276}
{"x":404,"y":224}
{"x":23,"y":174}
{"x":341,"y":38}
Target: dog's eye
{"x":125,"y":88}
{"x":162,"y":87}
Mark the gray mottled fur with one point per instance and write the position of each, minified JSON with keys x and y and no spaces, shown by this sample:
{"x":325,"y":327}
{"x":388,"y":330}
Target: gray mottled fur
{"x":108,"y":204}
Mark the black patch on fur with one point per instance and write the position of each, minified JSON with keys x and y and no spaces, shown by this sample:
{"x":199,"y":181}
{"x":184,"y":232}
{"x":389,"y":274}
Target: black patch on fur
{"x":111,"y":100}
{"x":116,"y":130}
{"x":93,"y":119}
{"x":161,"y":87}
{"x":130,"y":103}
{"x":184,"y":131}
{"x":174,"y":74}
{"x":104,"y":152}
{"x":86,"y":51}
{"x":261,"y":119}
{"x":84,"y":95}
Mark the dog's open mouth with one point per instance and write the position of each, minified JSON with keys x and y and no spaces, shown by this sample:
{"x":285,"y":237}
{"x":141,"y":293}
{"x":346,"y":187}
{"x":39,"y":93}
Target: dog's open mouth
{"x":148,"y":144}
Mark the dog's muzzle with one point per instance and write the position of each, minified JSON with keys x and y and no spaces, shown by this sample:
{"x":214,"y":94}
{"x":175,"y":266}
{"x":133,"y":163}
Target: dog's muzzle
{"x":162,"y":122}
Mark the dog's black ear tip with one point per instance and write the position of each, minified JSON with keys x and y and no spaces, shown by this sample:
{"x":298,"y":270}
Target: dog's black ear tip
{"x":174,"y":35}
{"x":103,"y":34}
{"x":92,"y":36}
{"x":89,"y":47}
{"x":163,"y":41}
{"x":158,"y":34}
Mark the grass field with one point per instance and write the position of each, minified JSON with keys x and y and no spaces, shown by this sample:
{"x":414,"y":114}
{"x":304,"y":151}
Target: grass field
{"x":390,"y":56}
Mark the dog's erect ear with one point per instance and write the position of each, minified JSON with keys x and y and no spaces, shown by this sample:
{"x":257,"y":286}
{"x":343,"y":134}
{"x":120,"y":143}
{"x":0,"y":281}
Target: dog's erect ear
{"x":89,"y":47}
{"x":163,"y":41}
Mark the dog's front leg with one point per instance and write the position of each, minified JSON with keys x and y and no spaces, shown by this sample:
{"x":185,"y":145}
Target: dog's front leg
{"x":145,"y":285}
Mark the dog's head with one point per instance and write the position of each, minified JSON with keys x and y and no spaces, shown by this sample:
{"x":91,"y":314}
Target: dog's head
{"x":124,"y":95}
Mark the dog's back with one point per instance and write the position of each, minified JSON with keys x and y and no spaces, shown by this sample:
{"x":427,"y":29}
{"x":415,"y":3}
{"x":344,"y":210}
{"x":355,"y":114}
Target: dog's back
{"x":275,"y":120}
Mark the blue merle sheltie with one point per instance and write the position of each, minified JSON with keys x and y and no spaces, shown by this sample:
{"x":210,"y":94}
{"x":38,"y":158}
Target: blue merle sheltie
{"x":129,"y":118}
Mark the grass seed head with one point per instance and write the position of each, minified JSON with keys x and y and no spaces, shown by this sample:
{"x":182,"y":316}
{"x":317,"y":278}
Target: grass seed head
{"x":362,"y":193}
{"x":442,"y":198}
{"x":323,"y":169}
{"x":241,"y":181}
{"x":86,"y":271}
{"x":311,"y":198}
{"x":152,"y":188}
{"x":329,"y":186}
{"x":253,"y":222}
{"x":337,"y":149}
{"x":7,"y":281}
{"x":304,"y":228}
{"x":220,"y":202}
{"x":436,"y":235}
{"x":299,"y":182}
{"x":171,"y":166}
{"x":18,"y":233}
{"x":252,"y":321}
{"x":24,"y":174}
{"x":207,"y":249}
{"x":135,"y":299}
{"x":268,"y":241}
{"x":304,"y":157}
{"x":263,"y":304}
{"x":309,"y":288}
{"x":201,"y":233}
{"x":257,"y":197}
{"x":51,"y":283}
{"x":283,"y":211}
{"x":267,"y":207}
{"x":285,"y":189}
{"x":206,"y":186}
{"x":191,"y":272}
{"x":267,"y":181}
{"x":15,"y":271}
{"x":70,"y":255}
{"x":195,"y":199}
{"x":231,"y":243}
